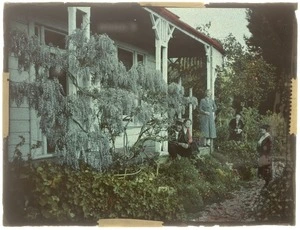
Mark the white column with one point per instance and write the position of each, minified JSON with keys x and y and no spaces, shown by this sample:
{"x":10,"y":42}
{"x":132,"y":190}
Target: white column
{"x":86,"y":27}
{"x":71,"y":29}
{"x":42,"y":35}
{"x":191,"y":109}
{"x":165,"y":63}
{"x":71,"y":19}
{"x":163,"y":32}
{"x":158,"y":54}
{"x":31,"y":28}
{"x":208,"y":66}
{"x":212,"y":73}
{"x":180,"y":85}
{"x":165,"y":77}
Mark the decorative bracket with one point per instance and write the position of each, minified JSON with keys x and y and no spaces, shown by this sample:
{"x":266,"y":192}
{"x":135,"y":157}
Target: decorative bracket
{"x":163,"y":29}
{"x":207,"y":51}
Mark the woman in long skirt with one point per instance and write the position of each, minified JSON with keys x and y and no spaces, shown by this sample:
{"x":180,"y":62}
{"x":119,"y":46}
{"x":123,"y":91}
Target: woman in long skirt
{"x":207,"y":118}
{"x":264,"y":150}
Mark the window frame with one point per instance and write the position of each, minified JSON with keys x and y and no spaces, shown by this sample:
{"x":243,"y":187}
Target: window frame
{"x":135,"y":53}
{"x":39,"y":31}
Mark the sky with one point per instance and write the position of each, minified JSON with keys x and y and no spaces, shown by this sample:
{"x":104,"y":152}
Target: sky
{"x":223,"y":21}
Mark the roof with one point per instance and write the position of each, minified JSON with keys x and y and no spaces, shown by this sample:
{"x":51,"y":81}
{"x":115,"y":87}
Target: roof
{"x":173,"y":18}
{"x":185,"y":36}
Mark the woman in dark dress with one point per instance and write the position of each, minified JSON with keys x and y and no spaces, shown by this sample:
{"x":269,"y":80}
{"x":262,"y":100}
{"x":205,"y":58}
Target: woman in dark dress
{"x":236,"y":126}
{"x":264,"y":150}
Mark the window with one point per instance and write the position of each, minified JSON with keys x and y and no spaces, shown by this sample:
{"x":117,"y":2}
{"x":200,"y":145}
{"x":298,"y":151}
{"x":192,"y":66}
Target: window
{"x":50,"y":37}
{"x":130,"y":58}
{"x":50,"y":147}
{"x":126,"y":57}
{"x":140,"y":58}
{"x":61,"y":75}
{"x":79,"y":19}
{"x":55,"y":39}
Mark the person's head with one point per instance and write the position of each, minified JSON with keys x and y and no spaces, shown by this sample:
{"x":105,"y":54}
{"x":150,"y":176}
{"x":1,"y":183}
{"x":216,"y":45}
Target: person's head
{"x":178,"y":125}
{"x":264,"y":128}
{"x":208,"y":93}
{"x":187,"y":122}
{"x":238,"y":116}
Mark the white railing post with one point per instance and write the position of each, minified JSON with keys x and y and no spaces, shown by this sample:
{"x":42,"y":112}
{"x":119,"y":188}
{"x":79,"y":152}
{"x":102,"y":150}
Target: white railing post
{"x":191,"y":109}
{"x":180,"y":85}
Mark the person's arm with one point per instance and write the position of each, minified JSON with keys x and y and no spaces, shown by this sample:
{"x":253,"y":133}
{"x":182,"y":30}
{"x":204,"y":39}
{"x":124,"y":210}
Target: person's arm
{"x":182,"y":140}
{"x":241,"y":126}
{"x":267,"y":146}
{"x":202,"y":111}
{"x":214,"y":106}
{"x":184,"y":145}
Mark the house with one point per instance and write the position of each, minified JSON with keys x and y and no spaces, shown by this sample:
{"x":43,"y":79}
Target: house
{"x":151,"y":35}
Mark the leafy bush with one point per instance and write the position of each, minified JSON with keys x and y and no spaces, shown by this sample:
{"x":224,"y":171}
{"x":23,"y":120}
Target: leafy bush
{"x":222,"y":123}
{"x":242,"y":155}
{"x":200,"y":181}
{"x":184,"y":177}
{"x":252,"y":121}
{"x":60,"y":195}
{"x":53,"y":194}
{"x":278,"y":131}
{"x":250,"y":117}
{"x":217,"y":178}
{"x":276,"y":204}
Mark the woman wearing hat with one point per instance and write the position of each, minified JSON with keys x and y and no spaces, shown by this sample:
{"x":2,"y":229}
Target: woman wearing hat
{"x":264,"y":149}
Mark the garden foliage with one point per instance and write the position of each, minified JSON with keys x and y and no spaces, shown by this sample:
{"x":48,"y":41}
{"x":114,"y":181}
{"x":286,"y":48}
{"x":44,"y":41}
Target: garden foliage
{"x":100,"y":98}
{"x":48,"y":193}
{"x":276,"y":203}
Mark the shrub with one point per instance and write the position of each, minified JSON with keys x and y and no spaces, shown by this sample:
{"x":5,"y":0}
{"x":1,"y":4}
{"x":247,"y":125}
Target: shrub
{"x":199,"y":181}
{"x":60,"y":195}
{"x":278,"y":131}
{"x":47,"y":193}
{"x":242,"y":155}
{"x":276,"y":204}
{"x":217,"y":178}
{"x":252,"y":121}
{"x":184,"y":177}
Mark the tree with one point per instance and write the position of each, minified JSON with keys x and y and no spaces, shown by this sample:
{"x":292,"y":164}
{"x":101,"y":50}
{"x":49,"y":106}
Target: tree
{"x":246,"y":79}
{"x":84,"y":124}
{"x":271,"y":26}
{"x":204,"y":29}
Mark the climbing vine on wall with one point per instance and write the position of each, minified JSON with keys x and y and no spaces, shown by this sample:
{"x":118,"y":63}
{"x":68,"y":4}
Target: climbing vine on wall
{"x":82,"y":94}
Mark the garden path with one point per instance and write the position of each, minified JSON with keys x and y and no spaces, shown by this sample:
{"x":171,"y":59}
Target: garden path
{"x":233,"y":211}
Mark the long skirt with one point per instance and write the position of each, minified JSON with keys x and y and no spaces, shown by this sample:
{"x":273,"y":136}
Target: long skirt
{"x":265,"y":172}
{"x":207,"y":126}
